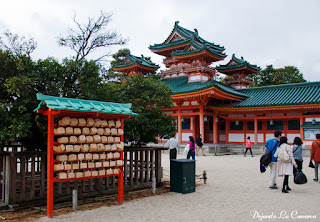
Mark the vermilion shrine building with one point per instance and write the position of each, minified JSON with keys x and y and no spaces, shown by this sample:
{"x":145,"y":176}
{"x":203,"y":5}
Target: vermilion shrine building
{"x":227,"y":112}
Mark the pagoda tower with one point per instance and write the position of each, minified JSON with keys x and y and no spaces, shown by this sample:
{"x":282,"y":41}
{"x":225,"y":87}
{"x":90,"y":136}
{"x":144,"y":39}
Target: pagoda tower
{"x":188,"y":54}
{"x":133,"y":65}
{"x":238,"y":70}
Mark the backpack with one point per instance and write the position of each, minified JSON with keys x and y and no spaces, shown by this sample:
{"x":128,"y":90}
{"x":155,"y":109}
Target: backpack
{"x":284,"y":156}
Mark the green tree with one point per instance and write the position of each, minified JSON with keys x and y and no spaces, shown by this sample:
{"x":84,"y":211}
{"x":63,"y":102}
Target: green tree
{"x":148,"y":96}
{"x":272,"y":76}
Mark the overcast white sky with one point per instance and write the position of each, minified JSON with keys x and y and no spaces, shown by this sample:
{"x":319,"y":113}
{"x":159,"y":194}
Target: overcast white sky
{"x":278,"y":32}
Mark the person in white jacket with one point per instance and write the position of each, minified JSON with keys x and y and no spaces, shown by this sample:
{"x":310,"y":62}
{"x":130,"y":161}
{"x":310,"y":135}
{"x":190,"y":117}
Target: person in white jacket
{"x":285,"y":161}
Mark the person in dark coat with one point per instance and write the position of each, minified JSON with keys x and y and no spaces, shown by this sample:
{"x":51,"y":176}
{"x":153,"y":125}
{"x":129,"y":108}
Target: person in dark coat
{"x":199,"y":144}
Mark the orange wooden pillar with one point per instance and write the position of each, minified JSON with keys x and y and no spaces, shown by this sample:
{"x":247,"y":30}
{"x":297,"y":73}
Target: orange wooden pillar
{"x":301,"y":129}
{"x":215,"y":128}
{"x":194,"y":127}
{"x":255,"y":129}
{"x":50,"y":164}
{"x":201,"y":122}
{"x":179,"y":124}
{"x":120,"y":177}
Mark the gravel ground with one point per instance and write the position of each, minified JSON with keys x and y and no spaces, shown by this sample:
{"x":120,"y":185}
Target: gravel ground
{"x":235,"y":191}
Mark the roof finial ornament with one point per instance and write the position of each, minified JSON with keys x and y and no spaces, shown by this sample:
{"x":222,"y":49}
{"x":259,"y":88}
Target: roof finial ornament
{"x":196,"y":31}
{"x":176,"y":23}
{"x":142,"y":56}
{"x":242,"y":57}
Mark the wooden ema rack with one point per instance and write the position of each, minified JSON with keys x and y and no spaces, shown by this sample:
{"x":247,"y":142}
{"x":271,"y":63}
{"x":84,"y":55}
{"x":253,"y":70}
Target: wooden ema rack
{"x":52,"y":114}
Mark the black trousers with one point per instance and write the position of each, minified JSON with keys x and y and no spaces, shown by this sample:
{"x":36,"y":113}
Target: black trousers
{"x":173,"y":154}
{"x":285,"y":182}
{"x":247,"y":151}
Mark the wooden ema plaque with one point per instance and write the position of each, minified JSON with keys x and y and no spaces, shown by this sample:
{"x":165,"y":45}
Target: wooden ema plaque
{"x":83,"y":145}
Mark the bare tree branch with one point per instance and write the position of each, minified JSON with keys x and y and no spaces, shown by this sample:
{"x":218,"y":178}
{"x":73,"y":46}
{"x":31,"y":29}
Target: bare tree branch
{"x":93,"y":35}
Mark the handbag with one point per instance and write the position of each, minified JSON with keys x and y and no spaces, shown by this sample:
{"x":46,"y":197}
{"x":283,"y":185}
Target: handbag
{"x":284,"y":156}
{"x":300,"y":178}
{"x":186,"y":149}
{"x":311,"y":165}
{"x":267,"y":158}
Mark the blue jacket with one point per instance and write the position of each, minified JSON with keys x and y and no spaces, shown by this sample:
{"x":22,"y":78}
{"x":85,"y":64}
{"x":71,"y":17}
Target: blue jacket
{"x":270,"y":145}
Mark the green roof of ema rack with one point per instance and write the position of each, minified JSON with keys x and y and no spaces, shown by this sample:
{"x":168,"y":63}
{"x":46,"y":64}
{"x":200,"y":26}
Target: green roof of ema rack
{"x":70,"y":104}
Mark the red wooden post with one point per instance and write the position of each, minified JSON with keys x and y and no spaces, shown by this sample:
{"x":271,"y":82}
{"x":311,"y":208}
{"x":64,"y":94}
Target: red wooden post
{"x":120,"y":177}
{"x":255,"y":129}
{"x":50,"y":165}
{"x":215,"y":128}
{"x":201,"y":116}
{"x":301,"y":129}
{"x":179,"y":123}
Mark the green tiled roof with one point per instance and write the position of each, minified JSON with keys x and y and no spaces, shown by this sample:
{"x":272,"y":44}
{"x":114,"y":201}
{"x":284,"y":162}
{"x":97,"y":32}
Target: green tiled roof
{"x":198,"y":48}
{"x":62,"y":103}
{"x":188,"y":35}
{"x":134,"y":59}
{"x":280,"y":95}
{"x":180,"y":85}
{"x":240,"y":63}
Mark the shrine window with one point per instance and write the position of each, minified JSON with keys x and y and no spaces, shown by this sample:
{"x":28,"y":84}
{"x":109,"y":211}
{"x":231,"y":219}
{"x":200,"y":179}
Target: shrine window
{"x":250,"y":125}
{"x":293,"y":124}
{"x":233,"y":126}
{"x":277,"y":125}
{"x":186,"y":124}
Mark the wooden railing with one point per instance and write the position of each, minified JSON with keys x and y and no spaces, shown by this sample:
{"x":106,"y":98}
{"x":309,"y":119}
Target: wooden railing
{"x":23,"y":175}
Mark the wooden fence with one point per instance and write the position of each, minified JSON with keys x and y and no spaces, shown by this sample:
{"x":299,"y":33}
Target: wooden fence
{"x":23,"y":175}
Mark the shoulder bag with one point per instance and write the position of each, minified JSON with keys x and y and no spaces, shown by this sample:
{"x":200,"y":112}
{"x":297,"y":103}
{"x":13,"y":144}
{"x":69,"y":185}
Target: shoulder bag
{"x":267,"y":158}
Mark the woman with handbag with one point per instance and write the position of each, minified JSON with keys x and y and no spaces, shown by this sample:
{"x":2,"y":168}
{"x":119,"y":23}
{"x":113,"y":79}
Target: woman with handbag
{"x":192,"y":149}
{"x":285,"y":161}
{"x":297,"y":153}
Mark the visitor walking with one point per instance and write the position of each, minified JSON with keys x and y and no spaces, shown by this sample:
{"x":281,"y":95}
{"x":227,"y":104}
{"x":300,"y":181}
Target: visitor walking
{"x":173,"y":146}
{"x":272,"y":144}
{"x":297,"y":153}
{"x":285,"y":161}
{"x":248,"y":146}
{"x":315,"y":155}
{"x":192,"y":148}
{"x":199,"y":144}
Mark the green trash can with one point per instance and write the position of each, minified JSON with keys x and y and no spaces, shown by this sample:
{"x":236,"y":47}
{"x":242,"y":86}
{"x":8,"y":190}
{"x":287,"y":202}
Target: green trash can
{"x":182,"y":176}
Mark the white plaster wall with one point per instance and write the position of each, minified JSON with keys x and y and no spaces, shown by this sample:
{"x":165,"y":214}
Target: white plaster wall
{"x":252,"y":138}
{"x":269,"y":136}
{"x":185,"y":136}
{"x":310,"y":119}
{"x":194,"y":103}
{"x":174,"y":75}
{"x":260,"y":137}
{"x":236,"y":137}
{"x":194,"y":78}
{"x":291,"y":136}
{"x":169,"y":112}
{"x":186,"y":103}
{"x":205,"y":78}
{"x":249,"y":115}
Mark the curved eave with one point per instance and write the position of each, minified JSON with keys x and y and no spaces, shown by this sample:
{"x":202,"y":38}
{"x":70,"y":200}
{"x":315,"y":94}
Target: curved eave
{"x":267,"y":108}
{"x":205,"y":53}
{"x":237,"y":68}
{"x":169,"y":45}
{"x":211,"y":92}
{"x":135,"y":66}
